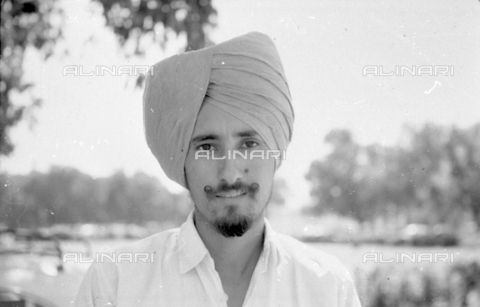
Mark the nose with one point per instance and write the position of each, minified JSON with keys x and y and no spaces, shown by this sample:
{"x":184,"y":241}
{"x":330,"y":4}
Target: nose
{"x":229,"y":170}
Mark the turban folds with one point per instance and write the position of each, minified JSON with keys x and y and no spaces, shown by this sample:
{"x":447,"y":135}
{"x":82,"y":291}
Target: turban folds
{"x":243,"y":76}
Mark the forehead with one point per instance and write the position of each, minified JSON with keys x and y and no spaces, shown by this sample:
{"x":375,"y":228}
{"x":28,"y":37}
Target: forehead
{"x":214,"y":121}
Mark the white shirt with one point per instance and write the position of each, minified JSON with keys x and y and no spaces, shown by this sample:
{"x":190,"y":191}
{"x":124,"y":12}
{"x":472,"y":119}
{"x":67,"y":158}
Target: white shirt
{"x":175,"y":269}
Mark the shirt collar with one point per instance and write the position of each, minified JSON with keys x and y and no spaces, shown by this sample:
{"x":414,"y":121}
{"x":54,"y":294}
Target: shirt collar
{"x":191,"y":247}
{"x":192,"y":250}
{"x":273,"y":250}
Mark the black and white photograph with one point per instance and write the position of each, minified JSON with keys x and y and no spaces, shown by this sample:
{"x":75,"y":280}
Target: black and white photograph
{"x":240,"y":153}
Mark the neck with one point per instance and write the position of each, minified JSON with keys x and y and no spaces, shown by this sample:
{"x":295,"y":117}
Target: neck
{"x":234,"y":255}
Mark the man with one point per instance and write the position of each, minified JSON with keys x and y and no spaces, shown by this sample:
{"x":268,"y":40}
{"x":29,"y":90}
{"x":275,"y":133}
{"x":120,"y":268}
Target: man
{"x":210,"y":117}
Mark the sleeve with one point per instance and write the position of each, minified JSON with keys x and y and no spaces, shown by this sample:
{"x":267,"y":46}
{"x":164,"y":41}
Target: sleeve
{"x":99,"y":286}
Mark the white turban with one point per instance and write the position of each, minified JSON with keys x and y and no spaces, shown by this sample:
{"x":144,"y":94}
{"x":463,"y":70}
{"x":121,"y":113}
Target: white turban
{"x":243,"y":76}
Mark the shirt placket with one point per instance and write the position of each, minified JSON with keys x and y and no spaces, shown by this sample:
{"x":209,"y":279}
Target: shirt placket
{"x":260,"y":269}
{"x":212,"y":282}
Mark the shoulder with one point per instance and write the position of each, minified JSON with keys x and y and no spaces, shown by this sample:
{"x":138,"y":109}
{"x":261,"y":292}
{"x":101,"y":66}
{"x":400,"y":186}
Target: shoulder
{"x":134,"y":255}
{"x":312,"y":259}
{"x":154,"y":243}
{"x":128,"y":268}
{"x":319,"y":270}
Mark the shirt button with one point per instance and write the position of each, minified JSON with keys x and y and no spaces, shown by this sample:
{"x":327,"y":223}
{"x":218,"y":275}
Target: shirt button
{"x":222,"y":297}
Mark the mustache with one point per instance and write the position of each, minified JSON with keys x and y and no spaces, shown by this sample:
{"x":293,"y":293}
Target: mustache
{"x":237,"y":187}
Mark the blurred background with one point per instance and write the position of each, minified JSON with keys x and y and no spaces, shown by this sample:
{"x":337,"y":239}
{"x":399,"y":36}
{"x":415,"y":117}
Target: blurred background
{"x":383,"y":170}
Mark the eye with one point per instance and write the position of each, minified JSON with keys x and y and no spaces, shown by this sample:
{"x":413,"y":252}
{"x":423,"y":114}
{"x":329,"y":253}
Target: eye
{"x":205,"y":147}
{"x":250,"y":144}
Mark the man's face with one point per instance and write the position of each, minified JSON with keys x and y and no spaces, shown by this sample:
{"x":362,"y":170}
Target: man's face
{"x":229,"y":194}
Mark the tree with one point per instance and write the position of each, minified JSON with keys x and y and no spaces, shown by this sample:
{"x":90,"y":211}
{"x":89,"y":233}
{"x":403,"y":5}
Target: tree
{"x":431,"y":178}
{"x":334,"y":184}
{"x":37,"y":24}
{"x":463,"y":151}
{"x":137,"y":19}
{"x":65,"y":195}
{"x":24,"y":24}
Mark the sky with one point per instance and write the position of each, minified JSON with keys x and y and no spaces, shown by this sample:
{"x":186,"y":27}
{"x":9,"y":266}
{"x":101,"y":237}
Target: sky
{"x":94,"y":123}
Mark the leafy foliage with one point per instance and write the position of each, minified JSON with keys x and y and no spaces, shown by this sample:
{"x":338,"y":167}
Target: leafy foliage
{"x":432,"y":178}
{"x":38,"y":24}
{"x":24,"y":24}
{"x":65,"y":195}
{"x":134,"y":19}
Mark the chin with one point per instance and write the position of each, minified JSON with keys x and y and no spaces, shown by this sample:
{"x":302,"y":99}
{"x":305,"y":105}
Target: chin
{"x":233,"y":224}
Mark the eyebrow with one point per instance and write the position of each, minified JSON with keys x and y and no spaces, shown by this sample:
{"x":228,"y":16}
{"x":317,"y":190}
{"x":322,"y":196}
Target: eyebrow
{"x":204,"y":137}
{"x":248,"y":133}
{"x":212,"y":136}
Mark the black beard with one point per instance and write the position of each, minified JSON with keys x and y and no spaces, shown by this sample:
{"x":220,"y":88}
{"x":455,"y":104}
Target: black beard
{"x":233,"y":225}
{"x":233,"y":230}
